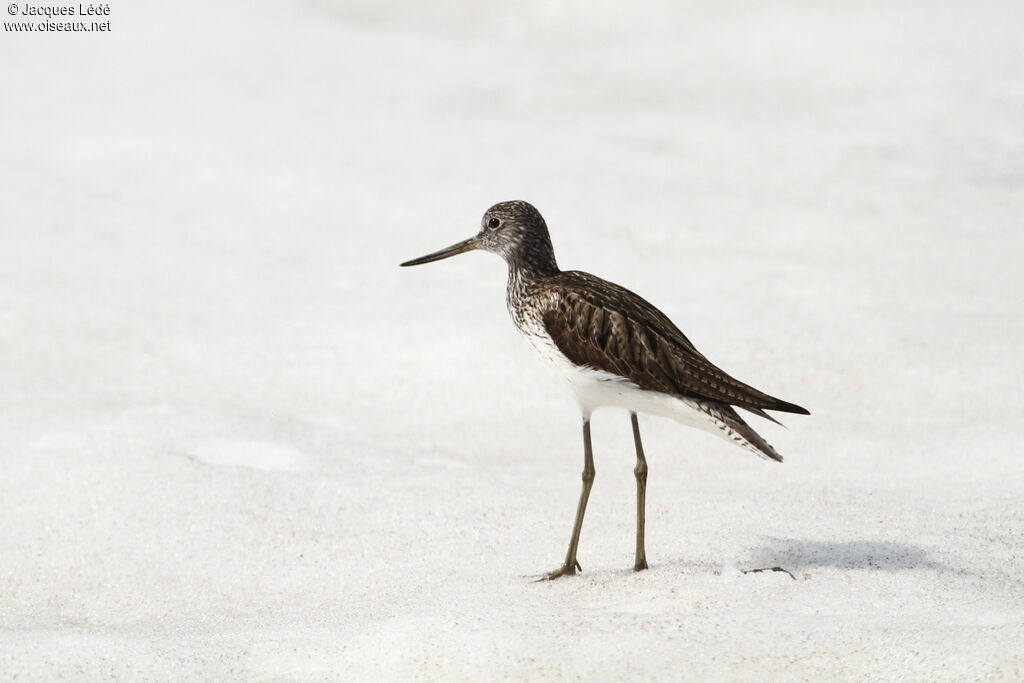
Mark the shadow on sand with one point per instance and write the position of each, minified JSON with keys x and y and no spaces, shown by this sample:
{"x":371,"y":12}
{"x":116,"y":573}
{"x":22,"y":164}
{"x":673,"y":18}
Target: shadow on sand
{"x":797,"y":555}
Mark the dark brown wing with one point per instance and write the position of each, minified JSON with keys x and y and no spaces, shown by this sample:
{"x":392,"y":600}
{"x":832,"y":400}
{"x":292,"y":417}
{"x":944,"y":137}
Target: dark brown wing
{"x":598,"y":324}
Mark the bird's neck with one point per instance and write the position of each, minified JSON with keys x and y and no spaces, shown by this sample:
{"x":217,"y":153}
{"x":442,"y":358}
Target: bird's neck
{"x":530,"y":264}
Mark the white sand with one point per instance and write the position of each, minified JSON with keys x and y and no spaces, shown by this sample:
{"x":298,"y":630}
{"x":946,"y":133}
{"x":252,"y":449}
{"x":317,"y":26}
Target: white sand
{"x":239,"y":443}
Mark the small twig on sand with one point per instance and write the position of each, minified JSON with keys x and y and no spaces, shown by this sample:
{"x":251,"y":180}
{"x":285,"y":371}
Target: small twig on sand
{"x":770,"y":569}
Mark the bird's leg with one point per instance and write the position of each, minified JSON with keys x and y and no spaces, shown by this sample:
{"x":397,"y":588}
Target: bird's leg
{"x":640,"y":471}
{"x":571,"y":565}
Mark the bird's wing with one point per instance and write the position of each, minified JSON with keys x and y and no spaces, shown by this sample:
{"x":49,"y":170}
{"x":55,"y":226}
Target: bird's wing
{"x":599,"y":324}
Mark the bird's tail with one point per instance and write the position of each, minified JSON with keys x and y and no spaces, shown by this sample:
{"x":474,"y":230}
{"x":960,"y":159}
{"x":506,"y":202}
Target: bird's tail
{"x":738,"y":431}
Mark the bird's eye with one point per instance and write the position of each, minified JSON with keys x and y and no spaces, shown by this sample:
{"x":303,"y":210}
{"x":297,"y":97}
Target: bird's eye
{"x":493,"y":223}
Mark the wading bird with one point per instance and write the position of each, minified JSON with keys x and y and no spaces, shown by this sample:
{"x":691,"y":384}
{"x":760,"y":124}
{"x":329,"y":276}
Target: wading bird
{"x":615,"y":349}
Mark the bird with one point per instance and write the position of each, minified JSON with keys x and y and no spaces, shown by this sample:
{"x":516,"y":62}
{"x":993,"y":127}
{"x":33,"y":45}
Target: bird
{"x":615,"y":350}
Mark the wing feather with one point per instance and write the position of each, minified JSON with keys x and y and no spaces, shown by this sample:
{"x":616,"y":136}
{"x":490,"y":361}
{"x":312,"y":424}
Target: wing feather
{"x":598,"y":324}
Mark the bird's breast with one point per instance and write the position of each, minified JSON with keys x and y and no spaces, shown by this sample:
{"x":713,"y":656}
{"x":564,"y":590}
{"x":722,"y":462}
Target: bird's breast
{"x":527,"y":314}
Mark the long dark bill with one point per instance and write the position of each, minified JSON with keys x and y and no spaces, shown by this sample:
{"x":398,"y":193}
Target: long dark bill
{"x":460,"y":248}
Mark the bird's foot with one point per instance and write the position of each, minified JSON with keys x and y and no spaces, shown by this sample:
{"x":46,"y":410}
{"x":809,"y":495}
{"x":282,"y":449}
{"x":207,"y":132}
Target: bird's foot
{"x":640,"y":565}
{"x":568,"y":569}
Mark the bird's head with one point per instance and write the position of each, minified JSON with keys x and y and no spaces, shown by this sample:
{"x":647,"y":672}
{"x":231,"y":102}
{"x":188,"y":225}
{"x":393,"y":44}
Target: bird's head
{"x":513,"y":230}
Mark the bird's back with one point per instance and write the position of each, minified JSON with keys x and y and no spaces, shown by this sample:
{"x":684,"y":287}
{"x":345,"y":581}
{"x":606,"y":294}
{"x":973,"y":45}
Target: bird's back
{"x":602,"y":325}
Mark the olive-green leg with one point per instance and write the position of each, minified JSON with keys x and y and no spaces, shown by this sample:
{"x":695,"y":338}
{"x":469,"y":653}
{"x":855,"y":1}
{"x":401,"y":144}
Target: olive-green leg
{"x":640,"y":471}
{"x":571,"y":565}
